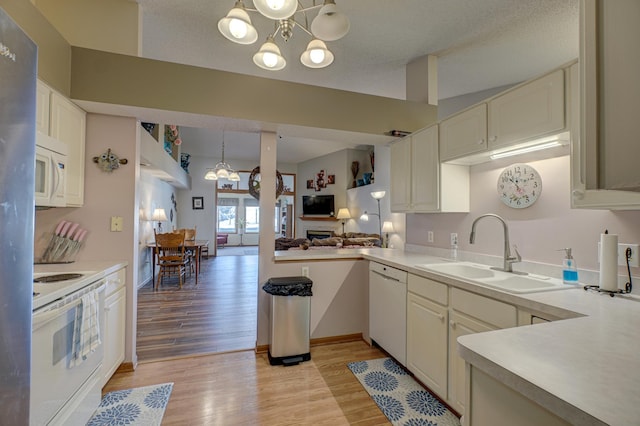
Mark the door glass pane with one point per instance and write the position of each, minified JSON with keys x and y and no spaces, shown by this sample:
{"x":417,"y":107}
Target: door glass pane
{"x":252,"y":219}
{"x":227,"y":219}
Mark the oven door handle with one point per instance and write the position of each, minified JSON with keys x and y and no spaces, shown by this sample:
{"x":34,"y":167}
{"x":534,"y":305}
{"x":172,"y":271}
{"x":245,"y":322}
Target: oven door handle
{"x":42,"y":318}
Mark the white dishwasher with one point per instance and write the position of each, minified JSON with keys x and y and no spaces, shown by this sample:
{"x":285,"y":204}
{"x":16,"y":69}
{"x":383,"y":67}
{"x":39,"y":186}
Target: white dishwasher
{"x":388,"y":309}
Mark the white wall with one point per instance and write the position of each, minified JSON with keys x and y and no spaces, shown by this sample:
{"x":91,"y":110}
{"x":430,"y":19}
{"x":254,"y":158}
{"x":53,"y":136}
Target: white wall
{"x":538,"y":231}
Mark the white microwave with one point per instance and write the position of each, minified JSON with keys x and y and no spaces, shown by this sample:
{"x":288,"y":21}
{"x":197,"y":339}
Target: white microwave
{"x":51,"y":171}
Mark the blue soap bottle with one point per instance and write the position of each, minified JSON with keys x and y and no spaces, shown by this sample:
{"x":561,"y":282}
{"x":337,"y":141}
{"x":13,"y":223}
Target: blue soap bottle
{"x":569,"y":268}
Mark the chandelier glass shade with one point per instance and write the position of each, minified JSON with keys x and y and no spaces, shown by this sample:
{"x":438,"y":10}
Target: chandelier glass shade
{"x":222,"y":170}
{"x":328,"y":25}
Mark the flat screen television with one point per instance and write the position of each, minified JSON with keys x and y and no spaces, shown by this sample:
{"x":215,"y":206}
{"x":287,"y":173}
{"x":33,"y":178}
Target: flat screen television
{"x":318,"y":205}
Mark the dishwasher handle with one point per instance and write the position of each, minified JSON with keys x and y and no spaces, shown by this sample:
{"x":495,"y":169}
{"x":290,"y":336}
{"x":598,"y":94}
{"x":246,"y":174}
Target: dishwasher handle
{"x":388,"y":272}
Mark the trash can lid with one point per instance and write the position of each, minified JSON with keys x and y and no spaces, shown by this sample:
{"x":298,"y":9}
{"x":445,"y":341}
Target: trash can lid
{"x":289,"y":280}
{"x":288,"y":286}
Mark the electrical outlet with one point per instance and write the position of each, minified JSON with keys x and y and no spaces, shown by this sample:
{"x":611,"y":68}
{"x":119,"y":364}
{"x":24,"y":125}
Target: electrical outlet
{"x":454,"y":239}
{"x":430,"y":236}
{"x":305,"y":271}
{"x":622,"y":256}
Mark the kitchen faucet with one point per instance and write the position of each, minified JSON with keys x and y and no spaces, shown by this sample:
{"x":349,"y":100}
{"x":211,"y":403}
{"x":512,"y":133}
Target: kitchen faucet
{"x":508,"y":259}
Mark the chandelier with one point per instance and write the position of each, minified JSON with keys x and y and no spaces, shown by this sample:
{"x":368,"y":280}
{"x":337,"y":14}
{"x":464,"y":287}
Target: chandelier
{"x":222,"y":170}
{"x":328,"y":25}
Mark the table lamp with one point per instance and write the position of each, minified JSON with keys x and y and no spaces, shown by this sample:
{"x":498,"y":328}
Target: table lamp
{"x":343,"y":214}
{"x":160,"y":216}
{"x":387,"y":227}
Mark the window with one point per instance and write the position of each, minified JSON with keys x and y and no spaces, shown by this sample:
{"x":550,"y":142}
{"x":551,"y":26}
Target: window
{"x":227,"y":215}
{"x":251,"y":216}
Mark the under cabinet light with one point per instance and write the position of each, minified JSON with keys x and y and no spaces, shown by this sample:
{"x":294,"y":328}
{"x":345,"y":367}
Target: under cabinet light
{"x":526,"y":149}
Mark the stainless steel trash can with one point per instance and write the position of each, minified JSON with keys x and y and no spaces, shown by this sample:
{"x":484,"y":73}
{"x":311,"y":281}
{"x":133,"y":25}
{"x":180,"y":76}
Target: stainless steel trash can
{"x":290,"y":319}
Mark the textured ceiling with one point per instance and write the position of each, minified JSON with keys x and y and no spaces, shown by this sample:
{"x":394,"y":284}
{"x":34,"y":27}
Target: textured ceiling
{"x":480,"y":44}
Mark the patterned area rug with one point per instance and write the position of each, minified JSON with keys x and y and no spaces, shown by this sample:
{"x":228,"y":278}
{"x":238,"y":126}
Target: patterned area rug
{"x":138,"y":406}
{"x":401,"y":399}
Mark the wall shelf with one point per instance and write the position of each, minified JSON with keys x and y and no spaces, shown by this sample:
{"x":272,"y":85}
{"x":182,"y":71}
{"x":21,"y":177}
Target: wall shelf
{"x":319,"y":218}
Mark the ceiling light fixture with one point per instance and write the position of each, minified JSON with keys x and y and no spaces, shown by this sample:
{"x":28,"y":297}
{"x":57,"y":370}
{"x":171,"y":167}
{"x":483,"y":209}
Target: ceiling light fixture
{"x":222,"y":170}
{"x":328,"y":25}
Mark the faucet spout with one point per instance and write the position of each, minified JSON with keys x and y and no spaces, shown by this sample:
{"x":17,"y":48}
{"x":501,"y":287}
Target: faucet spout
{"x":508,"y":259}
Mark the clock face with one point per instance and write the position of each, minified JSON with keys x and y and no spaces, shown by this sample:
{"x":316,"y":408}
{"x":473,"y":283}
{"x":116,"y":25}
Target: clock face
{"x":519,"y":186}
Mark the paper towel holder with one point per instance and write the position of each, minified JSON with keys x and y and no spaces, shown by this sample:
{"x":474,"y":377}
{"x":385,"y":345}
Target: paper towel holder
{"x":627,"y":287}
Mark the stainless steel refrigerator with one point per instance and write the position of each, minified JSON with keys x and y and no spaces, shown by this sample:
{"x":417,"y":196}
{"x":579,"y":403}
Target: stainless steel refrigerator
{"x":18,"y":63}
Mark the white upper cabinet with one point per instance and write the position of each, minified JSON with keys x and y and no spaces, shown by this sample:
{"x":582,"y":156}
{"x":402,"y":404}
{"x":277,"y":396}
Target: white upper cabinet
{"x":531,"y":111}
{"x":419,"y":183}
{"x":68,"y":124}
{"x":61,"y":119}
{"x":604,"y":141}
{"x":464,"y":133}
{"x":400,"y":186}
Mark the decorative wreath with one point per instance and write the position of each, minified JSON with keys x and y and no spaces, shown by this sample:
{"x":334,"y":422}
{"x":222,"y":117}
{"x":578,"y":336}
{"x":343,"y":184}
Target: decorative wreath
{"x":254,"y":184}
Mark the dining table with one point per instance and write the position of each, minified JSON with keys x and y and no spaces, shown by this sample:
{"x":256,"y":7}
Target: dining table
{"x":195,"y":245}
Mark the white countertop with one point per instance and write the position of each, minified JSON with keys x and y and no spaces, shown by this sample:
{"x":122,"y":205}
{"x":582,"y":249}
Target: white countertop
{"x":585,"y":368}
{"x":91,"y":271}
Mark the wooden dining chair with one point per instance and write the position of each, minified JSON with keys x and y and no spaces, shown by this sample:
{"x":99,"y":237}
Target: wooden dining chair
{"x":171,"y":257}
{"x":189,"y":235}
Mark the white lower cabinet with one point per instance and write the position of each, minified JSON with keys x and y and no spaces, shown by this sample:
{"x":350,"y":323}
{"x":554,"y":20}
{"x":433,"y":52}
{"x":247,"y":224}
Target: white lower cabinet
{"x":427,"y":333}
{"x":115,"y":323}
{"x":436,"y":316}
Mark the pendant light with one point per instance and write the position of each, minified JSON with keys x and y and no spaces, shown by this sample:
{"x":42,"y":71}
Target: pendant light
{"x":222,"y":170}
{"x":330,"y":24}
{"x":317,"y":55}
{"x":237,"y":27}
{"x":276,"y":9}
{"x":269,"y":56}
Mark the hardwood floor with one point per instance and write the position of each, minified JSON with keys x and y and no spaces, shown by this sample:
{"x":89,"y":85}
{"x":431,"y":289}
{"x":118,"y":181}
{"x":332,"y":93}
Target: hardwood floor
{"x":217,"y":315}
{"x":241,"y":388}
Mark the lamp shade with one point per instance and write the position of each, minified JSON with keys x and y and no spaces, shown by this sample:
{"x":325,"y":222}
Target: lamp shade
{"x":378,"y":195}
{"x":276,"y":9}
{"x":330,"y":24}
{"x":269,"y":56}
{"x":364,"y":217}
{"x":387,"y":226}
{"x":211,"y":175}
{"x":159,"y":215}
{"x":236,"y":26}
{"x":343,"y":214}
{"x":317,"y":55}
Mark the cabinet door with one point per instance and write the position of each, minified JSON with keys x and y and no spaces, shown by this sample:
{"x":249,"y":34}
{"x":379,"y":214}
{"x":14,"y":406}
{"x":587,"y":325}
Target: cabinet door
{"x":400,"y":187}
{"x":460,"y":325}
{"x":43,"y":96}
{"x":464,"y":133}
{"x":114,"y":338}
{"x":425,"y":170}
{"x":531,"y":111}
{"x":68,"y":124}
{"x":427,"y":342}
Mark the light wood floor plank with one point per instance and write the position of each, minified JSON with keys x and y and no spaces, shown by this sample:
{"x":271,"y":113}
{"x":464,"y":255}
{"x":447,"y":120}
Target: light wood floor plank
{"x":241,"y":388}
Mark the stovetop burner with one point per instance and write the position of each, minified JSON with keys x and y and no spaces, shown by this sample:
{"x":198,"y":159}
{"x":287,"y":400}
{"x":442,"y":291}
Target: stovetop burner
{"x":57,"y":277}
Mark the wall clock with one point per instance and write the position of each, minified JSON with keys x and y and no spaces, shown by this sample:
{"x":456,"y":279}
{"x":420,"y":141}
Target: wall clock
{"x":519,"y":186}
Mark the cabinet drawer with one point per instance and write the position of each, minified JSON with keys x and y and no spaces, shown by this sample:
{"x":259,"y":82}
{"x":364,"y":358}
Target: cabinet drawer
{"x":499,"y":314}
{"x":115,"y":281}
{"x":430,"y":289}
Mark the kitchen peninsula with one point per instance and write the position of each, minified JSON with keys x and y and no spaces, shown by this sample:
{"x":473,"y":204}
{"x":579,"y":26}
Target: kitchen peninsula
{"x":581,"y":368}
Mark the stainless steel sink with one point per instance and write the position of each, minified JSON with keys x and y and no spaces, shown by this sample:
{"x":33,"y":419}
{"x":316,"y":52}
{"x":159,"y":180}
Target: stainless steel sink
{"x":505,"y":281}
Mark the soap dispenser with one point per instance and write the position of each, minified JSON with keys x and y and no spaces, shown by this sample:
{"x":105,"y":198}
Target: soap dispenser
{"x":569,"y":269}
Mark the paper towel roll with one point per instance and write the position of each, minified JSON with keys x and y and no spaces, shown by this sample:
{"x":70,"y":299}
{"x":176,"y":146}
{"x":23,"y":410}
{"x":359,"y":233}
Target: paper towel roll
{"x":609,"y":262}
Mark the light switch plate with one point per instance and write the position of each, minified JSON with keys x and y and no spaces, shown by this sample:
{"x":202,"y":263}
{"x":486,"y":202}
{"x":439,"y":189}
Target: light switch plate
{"x":116,"y":223}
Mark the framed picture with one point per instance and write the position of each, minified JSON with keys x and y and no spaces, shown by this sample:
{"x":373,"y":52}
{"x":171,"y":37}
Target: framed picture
{"x":310,"y":184}
{"x":331,"y":179}
{"x":197,"y":203}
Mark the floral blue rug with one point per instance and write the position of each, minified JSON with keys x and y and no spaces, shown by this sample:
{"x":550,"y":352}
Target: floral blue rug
{"x":138,"y":406}
{"x":401,"y":399}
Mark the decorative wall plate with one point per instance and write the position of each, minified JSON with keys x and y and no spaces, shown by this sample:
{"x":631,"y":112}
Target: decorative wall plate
{"x":519,"y":186}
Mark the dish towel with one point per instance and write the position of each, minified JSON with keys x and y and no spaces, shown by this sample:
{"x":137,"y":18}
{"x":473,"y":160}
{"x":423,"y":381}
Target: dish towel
{"x":86,"y":329}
